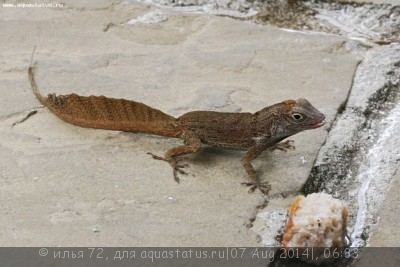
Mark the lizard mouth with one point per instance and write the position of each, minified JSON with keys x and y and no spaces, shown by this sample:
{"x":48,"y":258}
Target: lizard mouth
{"x":318,"y":124}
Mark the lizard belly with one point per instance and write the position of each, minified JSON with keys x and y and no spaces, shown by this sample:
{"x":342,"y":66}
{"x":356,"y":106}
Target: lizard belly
{"x":238,"y":145}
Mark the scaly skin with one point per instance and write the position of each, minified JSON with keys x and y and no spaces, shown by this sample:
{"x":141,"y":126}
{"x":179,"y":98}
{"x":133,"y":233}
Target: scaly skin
{"x":253,"y":133}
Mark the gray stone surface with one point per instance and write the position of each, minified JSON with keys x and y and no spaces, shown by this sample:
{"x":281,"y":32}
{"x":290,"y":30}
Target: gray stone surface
{"x":360,"y":156}
{"x":63,"y":185}
{"x":393,"y":2}
{"x":384,"y":234}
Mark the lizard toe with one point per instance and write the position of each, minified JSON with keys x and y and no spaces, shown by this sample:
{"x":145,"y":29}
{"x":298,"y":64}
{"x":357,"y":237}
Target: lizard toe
{"x":252,"y":189}
{"x":284,"y":146}
{"x":156,"y":157}
{"x":252,"y":186}
{"x":264,"y":188}
{"x":181,"y":171}
{"x":176,"y":178}
{"x":181,"y":165}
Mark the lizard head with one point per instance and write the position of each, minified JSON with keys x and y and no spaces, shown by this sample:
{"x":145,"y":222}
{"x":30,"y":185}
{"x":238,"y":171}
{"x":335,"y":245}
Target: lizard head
{"x":296,"y":116}
{"x":300,"y":115}
{"x":287,"y":118}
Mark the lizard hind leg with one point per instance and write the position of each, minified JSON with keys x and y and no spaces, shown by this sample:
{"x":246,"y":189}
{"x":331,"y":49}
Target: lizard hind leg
{"x":192,"y":145}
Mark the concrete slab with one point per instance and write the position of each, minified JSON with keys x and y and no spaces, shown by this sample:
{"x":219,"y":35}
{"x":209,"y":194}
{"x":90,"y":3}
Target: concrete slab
{"x":63,"y":185}
{"x":383,"y":234}
{"x":392,"y":2}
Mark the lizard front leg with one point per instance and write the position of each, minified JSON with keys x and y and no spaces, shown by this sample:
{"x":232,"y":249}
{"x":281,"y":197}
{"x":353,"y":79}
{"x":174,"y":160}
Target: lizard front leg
{"x":250,"y":155}
{"x":192,"y":145}
{"x":284,"y":146}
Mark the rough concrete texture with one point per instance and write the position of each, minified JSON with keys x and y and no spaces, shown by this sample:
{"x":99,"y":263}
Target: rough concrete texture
{"x":384,"y":236}
{"x":393,"y":2}
{"x":63,"y":185}
{"x":376,"y":22}
{"x":360,"y":156}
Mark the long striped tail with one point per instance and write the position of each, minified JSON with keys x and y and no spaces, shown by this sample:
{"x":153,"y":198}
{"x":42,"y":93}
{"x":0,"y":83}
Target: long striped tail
{"x":108,"y":113}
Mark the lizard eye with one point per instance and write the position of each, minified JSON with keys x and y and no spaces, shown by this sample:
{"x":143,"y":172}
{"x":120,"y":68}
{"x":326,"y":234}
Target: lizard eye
{"x":298,"y":117}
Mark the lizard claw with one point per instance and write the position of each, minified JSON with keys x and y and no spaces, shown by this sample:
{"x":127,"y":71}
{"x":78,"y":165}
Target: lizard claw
{"x":284,"y":146}
{"x":176,"y":178}
{"x":176,"y":166}
{"x":178,"y":169}
{"x":156,"y":157}
{"x":264,"y":188}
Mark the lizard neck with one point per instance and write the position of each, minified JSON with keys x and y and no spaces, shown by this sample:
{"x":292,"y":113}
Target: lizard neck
{"x":266,"y":121}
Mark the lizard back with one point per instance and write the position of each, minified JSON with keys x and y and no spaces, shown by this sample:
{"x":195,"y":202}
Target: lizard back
{"x":220,"y":129}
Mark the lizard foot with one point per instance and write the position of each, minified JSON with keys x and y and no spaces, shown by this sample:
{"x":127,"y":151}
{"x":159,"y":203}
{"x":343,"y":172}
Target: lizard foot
{"x":284,"y":146}
{"x":176,"y":166}
{"x":264,"y":188}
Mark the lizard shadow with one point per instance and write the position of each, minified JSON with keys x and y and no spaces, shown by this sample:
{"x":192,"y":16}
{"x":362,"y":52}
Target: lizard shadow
{"x":209,"y":156}
{"x":213,"y":156}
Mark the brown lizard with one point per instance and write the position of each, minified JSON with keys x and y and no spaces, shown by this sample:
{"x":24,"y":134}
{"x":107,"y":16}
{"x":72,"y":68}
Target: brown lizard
{"x":244,"y":131}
